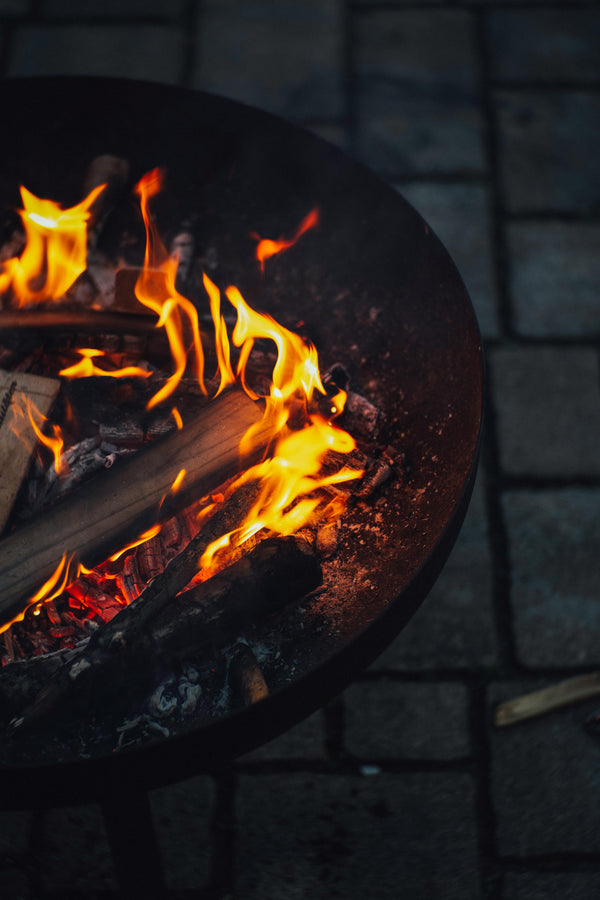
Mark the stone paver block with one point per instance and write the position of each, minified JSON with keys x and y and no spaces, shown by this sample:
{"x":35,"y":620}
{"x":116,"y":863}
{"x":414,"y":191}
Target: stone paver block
{"x":13,"y":7}
{"x":113,"y":8}
{"x":15,"y":827}
{"x":545,"y":780}
{"x":182,"y":815}
{"x":542,"y":885}
{"x":549,"y":146}
{"x":279,"y":55}
{"x":455,"y":626}
{"x":556,"y":606}
{"x":15,"y":884}
{"x":548,"y":405}
{"x":417,"y":92}
{"x":545,"y":44}
{"x":460,"y":216}
{"x":554,"y":277}
{"x":134,"y":51}
{"x":387,"y":720}
{"x":74,"y":852}
{"x":374,"y":836}
{"x":305,"y":741}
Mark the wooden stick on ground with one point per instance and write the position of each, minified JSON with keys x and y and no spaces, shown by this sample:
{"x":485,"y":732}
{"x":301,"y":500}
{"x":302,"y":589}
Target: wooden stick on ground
{"x":121,"y":502}
{"x":565,"y":693}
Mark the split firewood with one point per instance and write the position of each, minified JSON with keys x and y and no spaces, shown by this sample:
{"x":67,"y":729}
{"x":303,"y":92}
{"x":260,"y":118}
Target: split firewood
{"x":538,"y":703}
{"x":102,"y":515}
{"x":15,"y":454}
{"x":197,"y":624}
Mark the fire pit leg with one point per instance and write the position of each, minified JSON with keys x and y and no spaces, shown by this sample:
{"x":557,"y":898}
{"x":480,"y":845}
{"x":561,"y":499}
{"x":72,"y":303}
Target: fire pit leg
{"x":133,"y":844}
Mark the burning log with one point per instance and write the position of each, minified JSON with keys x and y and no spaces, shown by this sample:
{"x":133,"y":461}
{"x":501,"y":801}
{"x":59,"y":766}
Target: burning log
{"x":120,"y":666}
{"x":100,"y":517}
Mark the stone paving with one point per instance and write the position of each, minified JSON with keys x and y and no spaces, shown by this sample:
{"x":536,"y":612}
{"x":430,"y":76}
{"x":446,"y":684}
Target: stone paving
{"x":486,"y":116}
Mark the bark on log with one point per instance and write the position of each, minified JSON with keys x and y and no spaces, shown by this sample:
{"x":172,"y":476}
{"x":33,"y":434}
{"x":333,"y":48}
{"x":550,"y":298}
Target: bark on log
{"x":121,"y":502}
{"x":113,"y":680}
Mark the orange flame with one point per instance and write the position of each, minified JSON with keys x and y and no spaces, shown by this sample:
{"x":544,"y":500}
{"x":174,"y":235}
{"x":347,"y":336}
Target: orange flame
{"x":51,"y":589}
{"x":267,"y":247}
{"x":37,"y":419}
{"x":55,"y":249}
{"x":288,"y":482}
{"x":146,"y":536}
{"x":290,"y":478}
{"x":85,"y":368}
{"x":155,"y":288}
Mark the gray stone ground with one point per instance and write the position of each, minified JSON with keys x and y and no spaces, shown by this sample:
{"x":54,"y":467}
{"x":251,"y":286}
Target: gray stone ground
{"x":486,"y":115}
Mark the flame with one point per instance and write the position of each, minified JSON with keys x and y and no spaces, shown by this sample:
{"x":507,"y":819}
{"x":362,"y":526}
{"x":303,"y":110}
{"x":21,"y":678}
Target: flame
{"x":289,"y":479}
{"x":85,"y":368}
{"x":178,"y":481}
{"x":52,"y":588}
{"x":155,"y":288}
{"x":146,"y":536}
{"x":55,"y":249}
{"x":37,"y":419}
{"x":267,"y":247}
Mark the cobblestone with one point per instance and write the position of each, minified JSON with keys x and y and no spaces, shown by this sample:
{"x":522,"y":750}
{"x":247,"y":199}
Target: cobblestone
{"x":543,"y":167}
{"x":561,"y":603}
{"x":277,"y":54}
{"x":74,"y":851}
{"x":182,"y":817}
{"x":545,"y":44}
{"x":407,"y":721}
{"x":559,"y":790}
{"x":417,"y":109}
{"x":14,"y":831}
{"x":356,"y":836}
{"x":554,"y":277}
{"x":548,"y":409}
{"x":451,"y":210}
{"x":542,"y":885}
{"x":113,"y":8}
{"x":134,"y":51}
{"x":13,"y":7}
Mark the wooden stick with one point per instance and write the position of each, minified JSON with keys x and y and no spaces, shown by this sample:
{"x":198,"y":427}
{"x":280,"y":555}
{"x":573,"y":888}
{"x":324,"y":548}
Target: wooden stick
{"x":115,"y":507}
{"x":565,"y":693}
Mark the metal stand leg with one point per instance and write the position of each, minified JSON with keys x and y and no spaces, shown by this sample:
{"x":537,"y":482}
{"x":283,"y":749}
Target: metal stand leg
{"x":134,"y":847}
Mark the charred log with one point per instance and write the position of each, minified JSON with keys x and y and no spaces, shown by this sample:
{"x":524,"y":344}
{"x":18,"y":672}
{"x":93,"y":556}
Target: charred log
{"x":112,"y":678}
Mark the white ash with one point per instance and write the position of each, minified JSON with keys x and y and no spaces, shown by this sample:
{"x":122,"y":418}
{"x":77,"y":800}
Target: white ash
{"x":361,"y":416}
